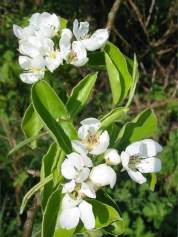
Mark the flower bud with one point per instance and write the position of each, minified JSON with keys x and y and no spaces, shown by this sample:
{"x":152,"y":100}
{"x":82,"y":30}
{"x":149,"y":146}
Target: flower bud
{"x":103,"y":175}
{"x":112,"y":157}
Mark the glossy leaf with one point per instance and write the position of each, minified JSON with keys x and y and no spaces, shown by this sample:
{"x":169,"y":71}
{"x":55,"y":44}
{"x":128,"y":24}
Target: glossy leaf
{"x":54,"y":114}
{"x":143,"y":126}
{"x":104,"y":215}
{"x":119,"y":76}
{"x":80,"y":94}
{"x":31,"y":124}
{"x":51,"y":213}
{"x":116,"y":228}
{"x":48,"y":162}
{"x":114,"y":115}
{"x":97,"y":60}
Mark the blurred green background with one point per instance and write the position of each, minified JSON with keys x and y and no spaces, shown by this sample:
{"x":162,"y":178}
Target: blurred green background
{"x":146,"y":27}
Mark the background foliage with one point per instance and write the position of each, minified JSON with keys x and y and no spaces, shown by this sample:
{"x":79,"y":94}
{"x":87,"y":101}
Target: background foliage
{"x":147,"y":28}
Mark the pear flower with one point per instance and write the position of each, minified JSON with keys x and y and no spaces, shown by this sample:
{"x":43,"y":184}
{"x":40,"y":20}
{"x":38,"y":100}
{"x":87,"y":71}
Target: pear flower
{"x":73,"y":210}
{"x":139,"y":157}
{"x":34,"y":68}
{"x":112,"y":157}
{"x":102,"y":175}
{"x":92,"y":139}
{"x":76,"y":167}
{"x":44,"y":25}
{"x":90,"y":42}
{"x":73,"y":52}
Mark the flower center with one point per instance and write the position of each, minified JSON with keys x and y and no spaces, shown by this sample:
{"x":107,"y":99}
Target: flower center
{"x":35,"y":70}
{"x":53,"y":54}
{"x":91,"y":140}
{"x":76,"y":194}
{"x":133,"y":162}
{"x":72,"y":56}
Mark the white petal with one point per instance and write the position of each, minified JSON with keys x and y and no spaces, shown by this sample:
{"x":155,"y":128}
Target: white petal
{"x":136,"y":176}
{"x":97,"y":40}
{"x":26,"y":48}
{"x":68,"y":202}
{"x":103,"y":175}
{"x":91,"y":122}
{"x":134,"y":148}
{"x":38,"y":62}
{"x":68,"y":187}
{"x":102,"y":145}
{"x":76,"y":160}
{"x":149,"y":165}
{"x":69,"y":218}
{"x":125,"y":159}
{"x":87,"y":161}
{"x":82,"y":175}
{"x":112,"y":157}
{"x":25,"y":62}
{"x":31,"y":78}
{"x":68,"y":170}
{"x":53,"y":63}
{"x":88,"y":190}
{"x":81,"y":31}
{"x":79,"y":147}
{"x":150,"y":148}
{"x":65,"y":42}
{"x":86,"y":215}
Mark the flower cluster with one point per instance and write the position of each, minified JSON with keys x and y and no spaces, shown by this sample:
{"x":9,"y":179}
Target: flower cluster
{"x":84,"y":179}
{"x":39,"y":53}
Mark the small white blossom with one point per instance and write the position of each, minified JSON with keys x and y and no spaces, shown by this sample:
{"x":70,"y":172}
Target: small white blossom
{"x":73,"y":211}
{"x":102,"y":175}
{"x":34,"y":68}
{"x":92,"y":140}
{"x":76,"y":167}
{"x":73,"y":52}
{"x":139,"y":157}
{"x":93,"y":42}
{"x":112,"y":157}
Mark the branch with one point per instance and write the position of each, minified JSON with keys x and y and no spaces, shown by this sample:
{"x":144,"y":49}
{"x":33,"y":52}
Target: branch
{"x":112,"y":15}
{"x":31,"y":213}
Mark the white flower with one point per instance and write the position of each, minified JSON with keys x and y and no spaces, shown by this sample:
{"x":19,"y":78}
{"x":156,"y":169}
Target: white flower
{"x":93,"y":42}
{"x":76,"y":167}
{"x":103,"y":175}
{"x":112,"y":157}
{"x":34,"y":68}
{"x":73,"y":211}
{"x":92,"y":140}
{"x":73,"y":52}
{"x":139,"y":157}
{"x":45,"y":24}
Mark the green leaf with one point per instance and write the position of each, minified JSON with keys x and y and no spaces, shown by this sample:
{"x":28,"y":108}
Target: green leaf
{"x":51,"y":213}
{"x":31,"y":124}
{"x":97,"y":60}
{"x":135,"y":77}
{"x":63,"y":23}
{"x":26,"y":142}
{"x":119,"y":76}
{"x":80,"y":94}
{"x":143,"y":126}
{"x":48,"y":162}
{"x":54,"y":114}
{"x":116,"y":228}
{"x":59,"y":232}
{"x":114,"y":115}
{"x":104,"y":215}
{"x":153,"y":181}
{"x":33,"y":190}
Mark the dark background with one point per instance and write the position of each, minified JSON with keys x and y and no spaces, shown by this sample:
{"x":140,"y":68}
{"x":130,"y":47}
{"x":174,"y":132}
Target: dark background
{"x":147,"y":28}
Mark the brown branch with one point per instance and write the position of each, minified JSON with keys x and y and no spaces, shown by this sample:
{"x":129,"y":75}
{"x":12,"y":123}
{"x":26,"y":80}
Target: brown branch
{"x":150,"y":13}
{"x":34,"y":173}
{"x":31,"y":213}
{"x":112,"y":14}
